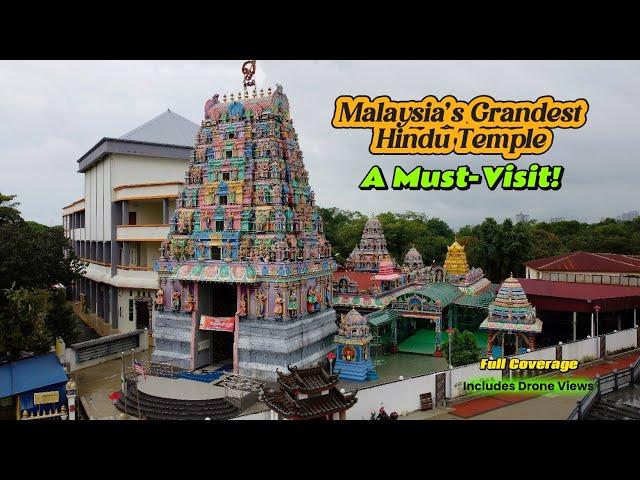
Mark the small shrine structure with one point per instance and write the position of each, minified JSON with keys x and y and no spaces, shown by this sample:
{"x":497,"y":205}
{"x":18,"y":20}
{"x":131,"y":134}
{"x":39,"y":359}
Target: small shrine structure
{"x":511,"y":323}
{"x":308,"y":394}
{"x":353,"y":360}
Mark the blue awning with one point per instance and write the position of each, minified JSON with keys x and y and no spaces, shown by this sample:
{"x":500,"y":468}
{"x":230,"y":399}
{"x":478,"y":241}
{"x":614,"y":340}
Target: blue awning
{"x":30,"y":374}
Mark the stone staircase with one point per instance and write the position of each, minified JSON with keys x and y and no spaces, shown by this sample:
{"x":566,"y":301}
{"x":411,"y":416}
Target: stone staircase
{"x":157,"y":408}
{"x":609,"y":410}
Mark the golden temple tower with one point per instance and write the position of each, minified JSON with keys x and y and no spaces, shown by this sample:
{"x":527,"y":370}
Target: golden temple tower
{"x":456,"y":262}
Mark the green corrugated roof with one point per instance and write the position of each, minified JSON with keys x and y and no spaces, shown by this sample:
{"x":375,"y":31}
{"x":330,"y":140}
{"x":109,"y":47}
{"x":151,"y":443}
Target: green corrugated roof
{"x":479,"y":301}
{"x":382,"y":317}
{"x":445,"y":292}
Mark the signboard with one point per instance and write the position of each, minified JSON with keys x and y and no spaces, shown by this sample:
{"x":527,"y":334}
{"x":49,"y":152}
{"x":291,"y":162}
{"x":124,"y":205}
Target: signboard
{"x":220,"y":324}
{"x":43,"y":398}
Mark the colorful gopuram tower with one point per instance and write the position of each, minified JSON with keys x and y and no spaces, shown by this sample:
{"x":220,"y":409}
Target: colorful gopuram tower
{"x":456,"y":262}
{"x":372,"y":249}
{"x":246,"y":270}
{"x":511,"y":314}
{"x":413,"y":260}
{"x":352,"y":342}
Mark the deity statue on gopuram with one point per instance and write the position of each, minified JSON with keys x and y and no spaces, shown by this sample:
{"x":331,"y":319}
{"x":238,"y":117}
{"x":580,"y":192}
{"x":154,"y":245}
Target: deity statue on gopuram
{"x":245,"y":238}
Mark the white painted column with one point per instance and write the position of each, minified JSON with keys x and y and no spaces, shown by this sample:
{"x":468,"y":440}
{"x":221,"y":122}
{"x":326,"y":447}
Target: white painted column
{"x":635,"y":320}
{"x":592,"y":326}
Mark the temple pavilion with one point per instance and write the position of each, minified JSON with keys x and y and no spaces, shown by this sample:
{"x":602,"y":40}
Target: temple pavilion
{"x":352,"y":344}
{"x":511,"y":322}
{"x":308,"y":394}
{"x":454,"y":296}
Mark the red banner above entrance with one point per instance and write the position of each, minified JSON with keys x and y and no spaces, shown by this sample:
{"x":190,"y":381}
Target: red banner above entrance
{"x":221,"y":324}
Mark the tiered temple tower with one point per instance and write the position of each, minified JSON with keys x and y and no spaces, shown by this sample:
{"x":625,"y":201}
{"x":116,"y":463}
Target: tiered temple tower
{"x":246,"y":270}
{"x":511,"y":313}
{"x":353,"y":361}
{"x":413,"y":260}
{"x":372,"y":249}
{"x":456,"y":262}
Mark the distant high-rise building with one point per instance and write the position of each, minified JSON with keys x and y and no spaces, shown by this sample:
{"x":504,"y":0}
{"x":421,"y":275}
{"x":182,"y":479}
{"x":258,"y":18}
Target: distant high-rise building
{"x":522,"y":217}
{"x":557,"y":219}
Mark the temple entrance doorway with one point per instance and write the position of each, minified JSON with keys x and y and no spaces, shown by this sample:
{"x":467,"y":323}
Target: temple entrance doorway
{"x":219,"y":300}
{"x":143,"y":313}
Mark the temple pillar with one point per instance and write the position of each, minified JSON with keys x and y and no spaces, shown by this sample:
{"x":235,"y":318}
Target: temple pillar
{"x":635,"y":320}
{"x":592,"y":326}
{"x":575,"y":324}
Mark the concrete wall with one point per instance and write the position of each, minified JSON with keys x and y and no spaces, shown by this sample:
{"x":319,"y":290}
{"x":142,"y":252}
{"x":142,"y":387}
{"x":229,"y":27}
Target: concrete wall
{"x":623,"y":339}
{"x":464,"y":374}
{"x":548,"y":353}
{"x":587,"y":348}
{"x":97,"y":193}
{"x":132,"y":169}
{"x":399,"y":396}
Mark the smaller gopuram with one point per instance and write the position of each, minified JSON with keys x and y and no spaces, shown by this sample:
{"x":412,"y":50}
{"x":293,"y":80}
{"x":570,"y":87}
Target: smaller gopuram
{"x":456,"y":262}
{"x":511,"y":322}
{"x":372,"y":249}
{"x":308,"y":394}
{"x":413,"y":259}
{"x":352,"y":343}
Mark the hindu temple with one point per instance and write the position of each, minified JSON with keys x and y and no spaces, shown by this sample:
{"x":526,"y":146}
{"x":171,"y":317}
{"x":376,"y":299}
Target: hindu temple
{"x":369,"y":278}
{"x":453,"y":295}
{"x":245,"y":275}
{"x":372,"y":250}
{"x":353,"y":361}
{"x":511,"y":321}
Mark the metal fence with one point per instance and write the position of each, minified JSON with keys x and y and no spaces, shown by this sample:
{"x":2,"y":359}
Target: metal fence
{"x":105,"y":346}
{"x":605,"y":385}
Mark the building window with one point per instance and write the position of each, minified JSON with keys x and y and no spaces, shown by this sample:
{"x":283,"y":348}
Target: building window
{"x":225,"y":175}
{"x":229,"y":153}
{"x":215,"y":253}
{"x":223,"y":200}
{"x":131,"y":310}
{"x":219,"y":225}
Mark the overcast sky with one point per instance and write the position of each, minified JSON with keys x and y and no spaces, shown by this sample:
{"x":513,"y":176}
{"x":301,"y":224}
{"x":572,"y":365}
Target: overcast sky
{"x":52,"y":112}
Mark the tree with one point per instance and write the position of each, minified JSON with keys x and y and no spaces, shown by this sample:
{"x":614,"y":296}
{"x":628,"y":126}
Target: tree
{"x":34,"y":258}
{"x":61,"y":319}
{"x":8,"y":211}
{"x":465,"y":348}
{"x":22,"y":322}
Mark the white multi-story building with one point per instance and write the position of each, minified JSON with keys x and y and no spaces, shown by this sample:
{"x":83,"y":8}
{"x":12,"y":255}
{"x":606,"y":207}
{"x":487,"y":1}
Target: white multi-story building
{"x":130,"y":189}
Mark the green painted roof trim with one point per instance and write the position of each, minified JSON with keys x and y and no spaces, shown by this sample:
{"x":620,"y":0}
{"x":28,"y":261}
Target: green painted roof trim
{"x":445,"y":292}
{"x":382,"y":317}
